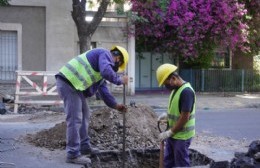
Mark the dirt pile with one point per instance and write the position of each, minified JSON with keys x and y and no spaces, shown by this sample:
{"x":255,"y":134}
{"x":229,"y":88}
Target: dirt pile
{"x":106,"y":130}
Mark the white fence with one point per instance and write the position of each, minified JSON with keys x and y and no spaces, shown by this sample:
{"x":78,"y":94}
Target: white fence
{"x":38,"y":87}
{"x":35,"y":87}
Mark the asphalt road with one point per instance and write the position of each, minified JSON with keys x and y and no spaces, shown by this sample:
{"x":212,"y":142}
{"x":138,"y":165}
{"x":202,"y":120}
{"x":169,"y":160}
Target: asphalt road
{"x":237,"y":124}
{"x":14,"y":153}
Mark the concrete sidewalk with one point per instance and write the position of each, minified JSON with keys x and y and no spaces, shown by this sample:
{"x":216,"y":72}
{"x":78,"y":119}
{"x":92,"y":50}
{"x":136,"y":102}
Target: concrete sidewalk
{"x":27,"y":156}
{"x":204,"y":101}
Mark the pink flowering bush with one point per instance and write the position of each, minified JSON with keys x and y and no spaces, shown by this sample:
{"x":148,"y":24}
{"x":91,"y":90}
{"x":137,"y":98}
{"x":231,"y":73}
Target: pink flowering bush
{"x":253,"y":20}
{"x":190,"y":28}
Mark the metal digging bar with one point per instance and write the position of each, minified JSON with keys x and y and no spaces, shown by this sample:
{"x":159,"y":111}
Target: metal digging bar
{"x":124,"y":127}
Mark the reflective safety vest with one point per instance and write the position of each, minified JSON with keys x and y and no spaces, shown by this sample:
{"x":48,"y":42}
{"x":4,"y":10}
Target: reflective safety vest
{"x":80,"y":73}
{"x":174,"y":114}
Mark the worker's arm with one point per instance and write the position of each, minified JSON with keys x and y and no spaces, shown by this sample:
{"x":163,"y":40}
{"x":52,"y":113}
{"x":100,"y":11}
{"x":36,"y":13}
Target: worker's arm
{"x":187,"y":99}
{"x":105,"y":66}
{"x":184,"y":118}
{"x":108,"y":98}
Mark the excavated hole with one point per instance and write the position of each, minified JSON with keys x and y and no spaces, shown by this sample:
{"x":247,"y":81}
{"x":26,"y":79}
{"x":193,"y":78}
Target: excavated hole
{"x":106,"y":132}
{"x":138,"y":158}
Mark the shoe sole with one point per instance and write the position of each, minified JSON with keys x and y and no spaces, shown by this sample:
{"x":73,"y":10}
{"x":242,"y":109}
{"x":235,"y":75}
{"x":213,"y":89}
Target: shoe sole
{"x":79,"y":163}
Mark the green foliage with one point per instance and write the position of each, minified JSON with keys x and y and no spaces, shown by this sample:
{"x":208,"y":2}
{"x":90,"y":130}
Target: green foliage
{"x":120,"y":9}
{"x":135,"y":17}
{"x":252,"y":81}
{"x":4,"y":3}
{"x":164,"y":4}
{"x":205,"y":56}
{"x":253,"y":20}
{"x":119,"y":1}
{"x":120,"y":6}
{"x":257,"y":63}
{"x":203,"y":61}
{"x":90,"y":4}
{"x":143,"y":44}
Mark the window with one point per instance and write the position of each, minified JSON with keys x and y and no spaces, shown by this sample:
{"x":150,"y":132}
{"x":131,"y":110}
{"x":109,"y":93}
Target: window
{"x":93,"y":45}
{"x":221,"y":58}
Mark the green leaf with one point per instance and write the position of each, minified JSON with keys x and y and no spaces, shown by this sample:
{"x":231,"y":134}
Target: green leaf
{"x":4,"y":3}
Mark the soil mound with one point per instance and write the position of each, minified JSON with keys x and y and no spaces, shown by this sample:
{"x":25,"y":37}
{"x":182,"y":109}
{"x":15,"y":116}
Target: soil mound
{"x":106,"y":130}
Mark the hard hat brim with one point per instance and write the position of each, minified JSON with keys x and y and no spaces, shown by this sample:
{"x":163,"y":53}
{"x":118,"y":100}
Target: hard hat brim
{"x":164,"y":71}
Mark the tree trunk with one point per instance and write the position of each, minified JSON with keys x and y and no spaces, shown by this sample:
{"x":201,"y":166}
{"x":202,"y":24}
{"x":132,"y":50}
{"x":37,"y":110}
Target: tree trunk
{"x":84,"y":43}
{"x":86,"y":29}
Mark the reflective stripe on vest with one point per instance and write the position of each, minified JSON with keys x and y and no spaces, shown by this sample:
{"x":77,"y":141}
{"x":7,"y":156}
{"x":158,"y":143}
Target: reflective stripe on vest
{"x":175,"y":118}
{"x":174,"y":114}
{"x":80,"y":73}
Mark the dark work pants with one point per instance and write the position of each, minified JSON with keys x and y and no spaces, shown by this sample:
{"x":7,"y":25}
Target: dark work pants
{"x":176,"y":153}
{"x":77,"y":118}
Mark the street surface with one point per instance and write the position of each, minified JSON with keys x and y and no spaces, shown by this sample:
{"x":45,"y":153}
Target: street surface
{"x":237,"y":117}
{"x":237,"y":124}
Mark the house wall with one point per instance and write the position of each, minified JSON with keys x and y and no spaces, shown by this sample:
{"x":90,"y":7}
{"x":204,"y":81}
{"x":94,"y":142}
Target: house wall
{"x":33,"y":36}
{"x":59,"y":29}
{"x":241,"y":61}
{"x":58,"y":35}
{"x":108,"y":34}
{"x":61,"y":41}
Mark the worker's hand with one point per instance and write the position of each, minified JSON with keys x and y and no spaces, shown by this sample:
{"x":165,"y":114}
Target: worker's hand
{"x":166,"y":134}
{"x":121,"y":107}
{"x":163,"y":117}
{"x":124,"y":79}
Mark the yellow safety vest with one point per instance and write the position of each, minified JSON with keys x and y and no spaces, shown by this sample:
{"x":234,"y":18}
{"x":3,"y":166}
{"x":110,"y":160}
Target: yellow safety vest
{"x":80,"y":73}
{"x":174,"y":113}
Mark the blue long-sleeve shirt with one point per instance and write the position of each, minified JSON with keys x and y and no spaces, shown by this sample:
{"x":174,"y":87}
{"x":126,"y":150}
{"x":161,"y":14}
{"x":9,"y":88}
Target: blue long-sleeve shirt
{"x":101,"y":61}
{"x":101,"y":87}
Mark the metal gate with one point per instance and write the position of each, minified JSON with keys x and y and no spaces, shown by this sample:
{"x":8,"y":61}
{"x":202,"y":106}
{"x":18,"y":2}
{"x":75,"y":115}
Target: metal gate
{"x":8,"y":56}
{"x":145,"y":72}
{"x":220,"y":80}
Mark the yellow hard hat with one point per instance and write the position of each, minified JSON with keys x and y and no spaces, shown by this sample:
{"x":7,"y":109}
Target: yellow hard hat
{"x":163,"y":71}
{"x":125,"y":56}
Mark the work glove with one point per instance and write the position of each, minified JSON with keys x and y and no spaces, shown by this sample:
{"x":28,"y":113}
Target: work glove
{"x":166,"y":134}
{"x":121,"y":107}
{"x":163,"y":117}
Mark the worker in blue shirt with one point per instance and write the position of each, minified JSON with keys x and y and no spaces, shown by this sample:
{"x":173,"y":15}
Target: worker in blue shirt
{"x":80,"y":78}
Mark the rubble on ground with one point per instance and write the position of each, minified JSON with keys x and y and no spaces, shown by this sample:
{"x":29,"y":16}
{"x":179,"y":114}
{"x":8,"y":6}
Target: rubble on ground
{"x":106,"y":130}
{"x":249,"y":159}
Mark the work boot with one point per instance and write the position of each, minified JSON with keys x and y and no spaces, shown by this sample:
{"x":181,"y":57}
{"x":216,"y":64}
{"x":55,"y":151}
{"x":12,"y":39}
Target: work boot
{"x":89,"y":151}
{"x":82,"y":160}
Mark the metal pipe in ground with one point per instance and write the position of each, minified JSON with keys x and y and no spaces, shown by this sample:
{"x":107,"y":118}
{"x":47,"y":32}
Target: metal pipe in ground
{"x":124,"y":128}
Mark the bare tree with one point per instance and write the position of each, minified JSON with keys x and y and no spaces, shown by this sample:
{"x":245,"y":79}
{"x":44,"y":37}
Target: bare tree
{"x":86,"y":29}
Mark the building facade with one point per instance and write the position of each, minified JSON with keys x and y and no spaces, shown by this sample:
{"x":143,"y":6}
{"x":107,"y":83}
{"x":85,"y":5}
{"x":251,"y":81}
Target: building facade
{"x":38,"y":35}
